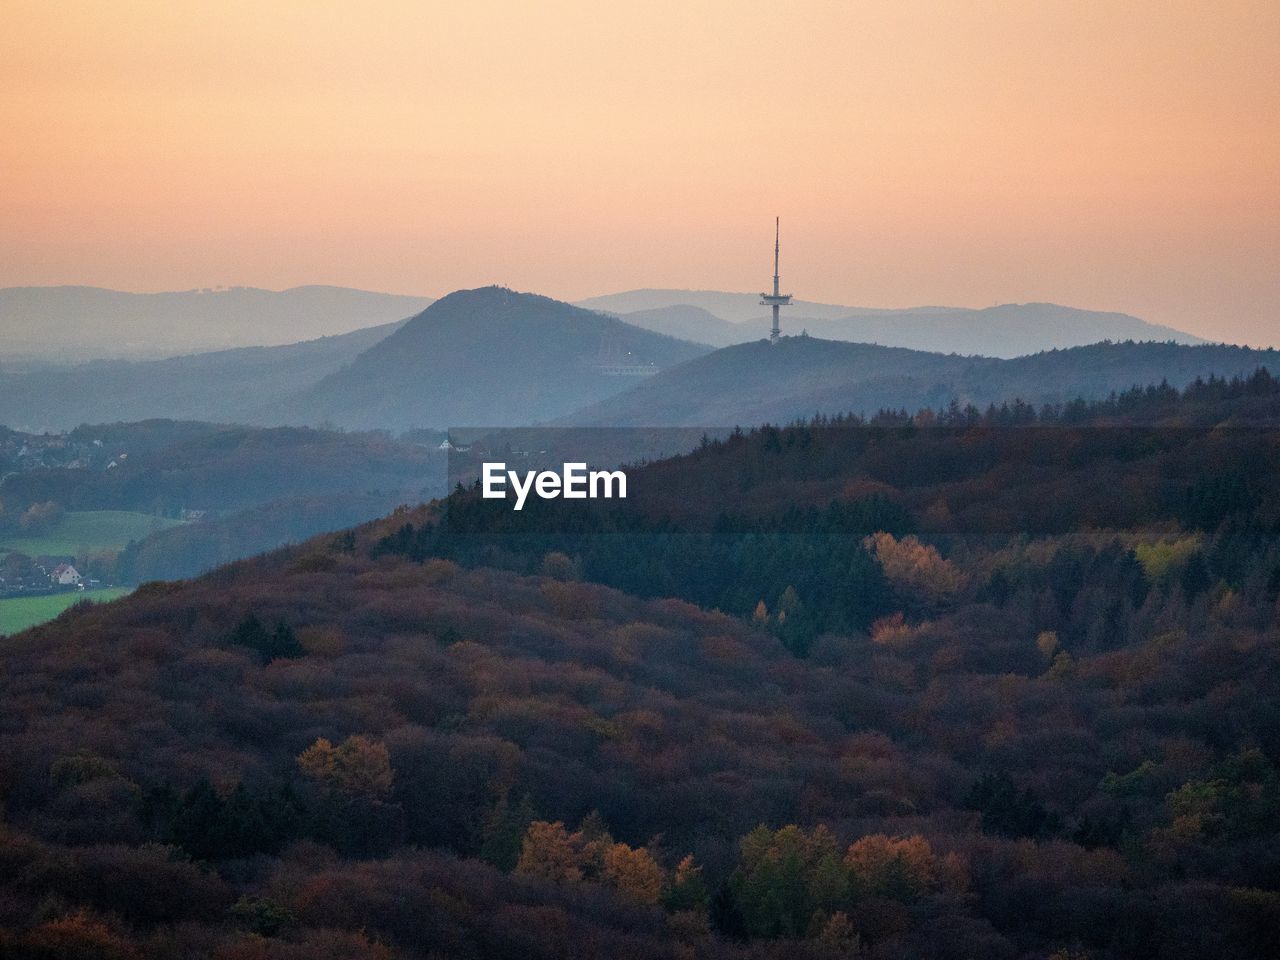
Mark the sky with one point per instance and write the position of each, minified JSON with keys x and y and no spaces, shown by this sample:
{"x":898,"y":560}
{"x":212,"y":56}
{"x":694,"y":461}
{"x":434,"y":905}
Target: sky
{"x":1110,"y":155}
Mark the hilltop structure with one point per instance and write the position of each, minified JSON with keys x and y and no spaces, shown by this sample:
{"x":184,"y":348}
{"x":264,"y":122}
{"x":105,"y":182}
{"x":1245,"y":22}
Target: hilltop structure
{"x":613,"y":361}
{"x":775,"y":299}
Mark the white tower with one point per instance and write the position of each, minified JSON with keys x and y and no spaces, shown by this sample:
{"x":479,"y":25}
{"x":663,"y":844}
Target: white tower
{"x":775,"y":299}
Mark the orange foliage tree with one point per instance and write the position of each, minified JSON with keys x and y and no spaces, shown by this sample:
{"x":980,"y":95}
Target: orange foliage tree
{"x":902,"y":869}
{"x":358,"y":766}
{"x":915,"y":566}
{"x":590,"y":854}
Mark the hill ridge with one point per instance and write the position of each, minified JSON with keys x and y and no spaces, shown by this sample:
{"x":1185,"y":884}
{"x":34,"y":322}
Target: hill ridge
{"x":522,"y":358}
{"x":1006,"y":329}
{"x":757,"y":383}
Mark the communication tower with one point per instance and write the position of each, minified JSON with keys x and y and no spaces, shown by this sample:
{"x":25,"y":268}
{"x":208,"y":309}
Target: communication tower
{"x":775,"y":299}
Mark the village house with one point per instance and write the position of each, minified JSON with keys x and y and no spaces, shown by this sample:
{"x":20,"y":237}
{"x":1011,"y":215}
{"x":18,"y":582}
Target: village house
{"x":65,"y":575}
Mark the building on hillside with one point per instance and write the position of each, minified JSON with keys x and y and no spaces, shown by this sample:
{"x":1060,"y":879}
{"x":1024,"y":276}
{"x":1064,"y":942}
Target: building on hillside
{"x":65,"y":575}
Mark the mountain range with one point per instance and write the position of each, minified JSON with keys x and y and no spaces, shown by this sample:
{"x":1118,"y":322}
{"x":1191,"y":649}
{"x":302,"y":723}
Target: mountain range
{"x":40,"y":325}
{"x":83,"y":323}
{"x":1007,"y":330}
{"x":495,"y":357}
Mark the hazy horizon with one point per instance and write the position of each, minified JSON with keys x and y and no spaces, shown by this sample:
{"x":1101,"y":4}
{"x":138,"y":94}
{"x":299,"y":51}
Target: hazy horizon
{"x":728,"y":306}
{"x":1118,"y":159}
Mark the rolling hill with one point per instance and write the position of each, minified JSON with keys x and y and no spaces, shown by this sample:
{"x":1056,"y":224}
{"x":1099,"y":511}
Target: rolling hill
{"x":691,"y":323}
{"x":1008,"y":330}
{"x":489,"y":356}
{"x":240,"y":385}
{"x":80,"y":532}
{"x":758,"y":383}
{"x":79,"y":323}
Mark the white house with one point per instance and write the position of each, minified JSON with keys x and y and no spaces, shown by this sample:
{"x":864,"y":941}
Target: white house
{"x":65,"y":575}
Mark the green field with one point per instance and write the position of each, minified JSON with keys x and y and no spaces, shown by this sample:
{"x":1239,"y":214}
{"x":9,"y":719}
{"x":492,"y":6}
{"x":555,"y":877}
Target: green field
{"x":18,"y":613}
{"x":89,"y":530}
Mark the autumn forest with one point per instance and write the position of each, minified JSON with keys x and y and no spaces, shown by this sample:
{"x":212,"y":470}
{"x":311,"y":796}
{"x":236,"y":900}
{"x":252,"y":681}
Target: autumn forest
{"x":954,"y":683}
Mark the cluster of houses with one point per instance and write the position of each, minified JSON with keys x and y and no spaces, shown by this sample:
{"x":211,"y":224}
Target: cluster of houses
{"x":21,"y":452}
{"x":41,"y":575}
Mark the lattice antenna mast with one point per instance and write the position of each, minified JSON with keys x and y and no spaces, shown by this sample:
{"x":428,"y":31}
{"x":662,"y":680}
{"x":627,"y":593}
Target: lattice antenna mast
{"x":775,"y":299}
{"x":777,"y":247}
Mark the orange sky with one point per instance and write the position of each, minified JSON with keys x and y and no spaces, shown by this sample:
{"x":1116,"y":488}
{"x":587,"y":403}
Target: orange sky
{"x":1114,"y":155}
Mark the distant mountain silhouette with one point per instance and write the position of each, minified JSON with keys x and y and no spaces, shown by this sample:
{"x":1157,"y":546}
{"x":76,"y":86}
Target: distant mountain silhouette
{"x":493,"y":357}
{"x":81,"y":323}
{"x":690,"y":323}
{"x":758,"y":383}
{"x":241,"y":385}
{"x":734,"y":307}
{"x":1008,"y":330}
{"x":489,"y":357}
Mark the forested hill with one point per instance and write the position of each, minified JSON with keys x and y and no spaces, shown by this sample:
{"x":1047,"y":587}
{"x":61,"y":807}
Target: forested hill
{"x":744,"y":519}
{"x":799,"y":376}
{"x":1056,"y":741}
{"x":485,"y":357}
